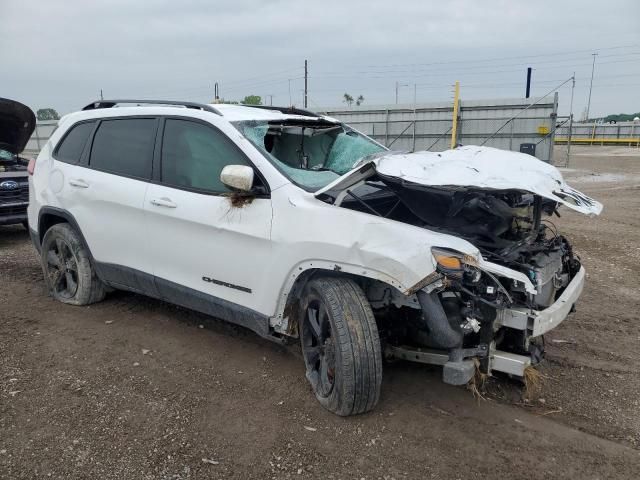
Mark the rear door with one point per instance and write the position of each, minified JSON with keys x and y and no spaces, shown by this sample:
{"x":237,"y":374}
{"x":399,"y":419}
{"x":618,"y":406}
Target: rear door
{"x":105,"y":192}
{"x":198,"y":239}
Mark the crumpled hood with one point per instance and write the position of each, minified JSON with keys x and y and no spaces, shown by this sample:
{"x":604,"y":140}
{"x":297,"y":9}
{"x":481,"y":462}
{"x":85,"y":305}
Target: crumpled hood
{"x":17,"y":122}
{"x":472,"y":166}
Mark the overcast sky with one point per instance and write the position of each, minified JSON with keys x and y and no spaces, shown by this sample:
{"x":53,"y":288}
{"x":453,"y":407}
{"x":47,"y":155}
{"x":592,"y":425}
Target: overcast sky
{"x":60,"y":53}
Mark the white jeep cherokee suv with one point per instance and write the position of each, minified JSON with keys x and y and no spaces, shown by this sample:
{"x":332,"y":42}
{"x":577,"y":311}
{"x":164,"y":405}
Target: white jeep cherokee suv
{"x":293,"y":224}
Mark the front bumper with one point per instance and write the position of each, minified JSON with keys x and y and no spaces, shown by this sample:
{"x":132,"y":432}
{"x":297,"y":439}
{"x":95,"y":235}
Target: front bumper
{"x":540,"y":322}
{"x":533,"y":323}
{"x":536,"y":322}
{"x":13,"y":214}
{"x":551,"y":317}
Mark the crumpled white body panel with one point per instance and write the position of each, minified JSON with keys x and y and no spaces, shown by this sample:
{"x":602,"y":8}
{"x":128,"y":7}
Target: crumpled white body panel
{"x":481,"y":167}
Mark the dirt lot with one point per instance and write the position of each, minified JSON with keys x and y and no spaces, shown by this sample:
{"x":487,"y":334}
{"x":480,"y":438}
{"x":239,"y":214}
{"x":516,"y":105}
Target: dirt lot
{"x":135,"y":388}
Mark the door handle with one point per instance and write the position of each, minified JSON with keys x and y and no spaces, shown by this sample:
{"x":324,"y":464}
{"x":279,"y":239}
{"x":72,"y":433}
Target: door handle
{"x":163,"y":202}
{"x":78,"y":183}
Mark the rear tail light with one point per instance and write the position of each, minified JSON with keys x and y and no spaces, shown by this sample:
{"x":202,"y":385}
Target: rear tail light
{"x":32,"y":166}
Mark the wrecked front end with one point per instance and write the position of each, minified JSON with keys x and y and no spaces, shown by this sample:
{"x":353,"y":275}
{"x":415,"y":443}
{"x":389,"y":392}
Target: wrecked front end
{"x":467,"y":316}
{"x":488,"y":311}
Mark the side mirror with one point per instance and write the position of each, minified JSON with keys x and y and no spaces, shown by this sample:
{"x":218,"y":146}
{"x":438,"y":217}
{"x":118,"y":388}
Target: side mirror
{"x":238,"y":177}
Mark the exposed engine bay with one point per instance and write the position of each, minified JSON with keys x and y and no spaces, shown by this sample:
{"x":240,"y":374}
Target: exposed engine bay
{"x":12,"y":163}
{"x":461,"y":311}
{"x":510,"y":228}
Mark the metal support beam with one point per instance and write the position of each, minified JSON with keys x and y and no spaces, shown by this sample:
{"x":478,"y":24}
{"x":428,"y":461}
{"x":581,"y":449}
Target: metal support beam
{"x":306,"y":78}
{"x":402,"y":132}
{"x":554,"y":121}
{"x":573,"y":86}
{"x":509,"y":362}
{"x":419,"y":355}
{"x":386,"y":129}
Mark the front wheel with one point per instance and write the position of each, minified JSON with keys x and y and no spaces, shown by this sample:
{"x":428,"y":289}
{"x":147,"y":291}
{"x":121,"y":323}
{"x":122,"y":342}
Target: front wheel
{"x":340,"y":345}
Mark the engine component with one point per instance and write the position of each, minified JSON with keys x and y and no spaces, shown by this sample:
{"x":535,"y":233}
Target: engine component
{"x":546,"y":274}
{"x":435,"y":318}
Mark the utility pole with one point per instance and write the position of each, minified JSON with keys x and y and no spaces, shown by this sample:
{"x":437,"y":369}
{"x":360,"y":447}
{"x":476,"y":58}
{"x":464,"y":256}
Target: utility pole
{"x":415,"y":117}
{"x":216,"y":93}
{"x":593,"y":67}
{"x":398,"y":85}
{"x":573,"y":86}
{"x":306,"y":77}
{"x":101,"y":97}
{"x":270,"y":99}
{"x":290,"y":101}
{"x":528,"y":91}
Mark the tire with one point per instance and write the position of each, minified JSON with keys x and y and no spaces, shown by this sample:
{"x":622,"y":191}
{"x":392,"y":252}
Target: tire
{"x":68,"y":272}
{"x":340,"y":345}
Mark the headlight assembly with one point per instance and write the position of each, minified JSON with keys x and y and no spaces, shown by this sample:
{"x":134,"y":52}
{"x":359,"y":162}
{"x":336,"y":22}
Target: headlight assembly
{"x":448,"y":259}
{"x":453,"y":263}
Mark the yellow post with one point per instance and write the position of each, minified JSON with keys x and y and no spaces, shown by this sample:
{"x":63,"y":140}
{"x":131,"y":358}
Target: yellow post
{"x":454,"y":128}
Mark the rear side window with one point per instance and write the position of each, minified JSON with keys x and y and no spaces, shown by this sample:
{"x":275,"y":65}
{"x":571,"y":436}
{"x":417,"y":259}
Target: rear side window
{"x":72,"y":145}
{"x":124,"y":147}
{"x":193,"y":155}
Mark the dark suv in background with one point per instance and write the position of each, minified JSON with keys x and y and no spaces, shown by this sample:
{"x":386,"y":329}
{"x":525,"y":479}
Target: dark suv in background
{"x":17,"y":123}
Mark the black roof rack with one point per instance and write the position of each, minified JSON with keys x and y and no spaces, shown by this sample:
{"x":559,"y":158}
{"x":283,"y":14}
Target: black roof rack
{"x":113,"y":103}
{"x":288,"y":110}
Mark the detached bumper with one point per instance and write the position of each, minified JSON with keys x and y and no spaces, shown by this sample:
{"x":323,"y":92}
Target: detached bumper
{"x":551,"y":317}
{"x":538,"y":322}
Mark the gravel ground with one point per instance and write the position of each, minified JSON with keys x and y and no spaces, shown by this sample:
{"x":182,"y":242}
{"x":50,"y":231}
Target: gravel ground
{"x":135,"y":388}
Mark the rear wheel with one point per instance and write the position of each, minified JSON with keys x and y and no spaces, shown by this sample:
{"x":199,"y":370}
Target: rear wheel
{"x":68,"y":272}
{"x":340,"y":346}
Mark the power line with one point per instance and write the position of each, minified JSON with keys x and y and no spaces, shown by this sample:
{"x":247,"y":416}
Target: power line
{"x":507,"y":58}
{"x":485,"y":65}
{"x":262,"y":84}
{"x":565,"y":63}
{"x":238,"y":81}
{"x":525,"y":109}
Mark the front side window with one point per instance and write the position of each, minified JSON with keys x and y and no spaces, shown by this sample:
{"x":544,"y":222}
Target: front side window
{"x":193,"y":155}
{"x":72,"y":145}
{"x":311,"y":155}
{"x":124,"y":147}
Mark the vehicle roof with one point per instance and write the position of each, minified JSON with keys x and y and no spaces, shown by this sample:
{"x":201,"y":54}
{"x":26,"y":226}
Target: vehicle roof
{"x":230,"y":112}
{"x":235,"y":113}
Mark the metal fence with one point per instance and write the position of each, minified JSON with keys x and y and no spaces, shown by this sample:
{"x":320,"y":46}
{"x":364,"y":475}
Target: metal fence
{"x":429,"y":126}
{"x":623,"y":133}
{"x":41,"y":134}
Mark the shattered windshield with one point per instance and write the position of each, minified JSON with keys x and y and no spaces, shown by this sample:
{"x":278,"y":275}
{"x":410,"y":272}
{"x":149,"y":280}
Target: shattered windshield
{"x":311,"y":154}
{"x":5,"y":155}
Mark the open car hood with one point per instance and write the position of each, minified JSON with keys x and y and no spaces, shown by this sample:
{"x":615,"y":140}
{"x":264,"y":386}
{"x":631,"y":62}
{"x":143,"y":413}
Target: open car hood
{"x":470,"y":166}
{"x":17,"y":122}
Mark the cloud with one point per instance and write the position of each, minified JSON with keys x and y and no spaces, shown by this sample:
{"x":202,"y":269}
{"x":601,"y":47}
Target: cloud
{"x":61,"y":53}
